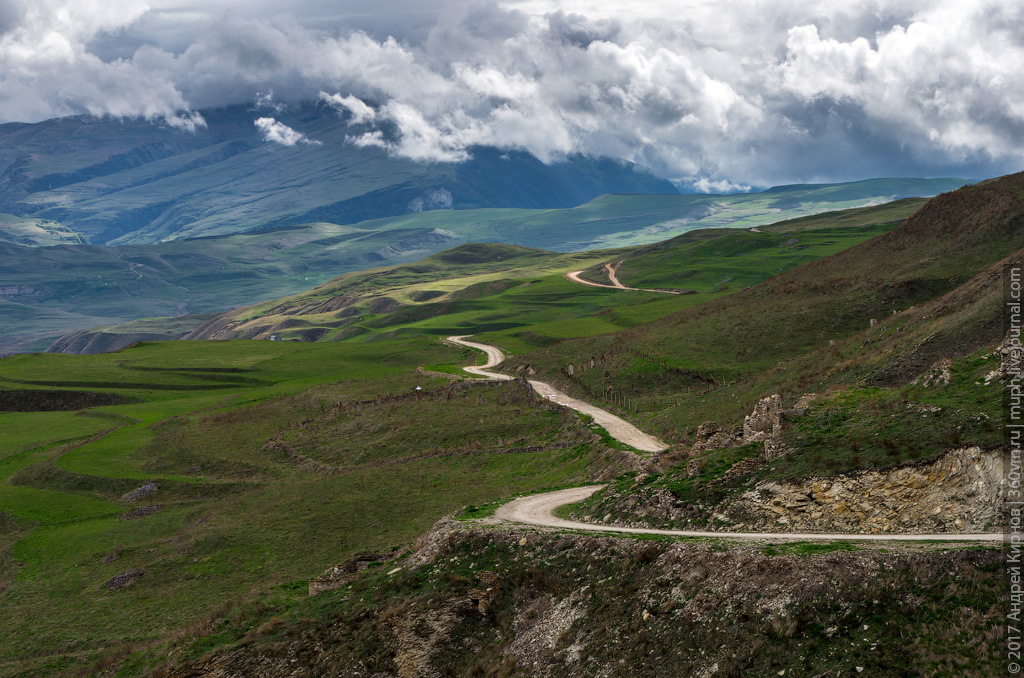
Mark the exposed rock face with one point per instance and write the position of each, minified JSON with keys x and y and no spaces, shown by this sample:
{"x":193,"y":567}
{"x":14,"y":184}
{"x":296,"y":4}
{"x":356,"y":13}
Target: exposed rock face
{"x":142,"y":511}
{"x":1010,"y":353}
{"x":959,"y":492}
{"x":124,"y":579}
{"x":764,"y":424}
{"x":423,"y":636}
{"x":146,"y":490}
{"x":341,"y":575}
{"x":711,"y":436}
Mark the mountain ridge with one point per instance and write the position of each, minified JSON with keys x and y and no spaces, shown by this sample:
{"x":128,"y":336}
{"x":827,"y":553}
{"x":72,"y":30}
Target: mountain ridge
{"x":131,"y":181}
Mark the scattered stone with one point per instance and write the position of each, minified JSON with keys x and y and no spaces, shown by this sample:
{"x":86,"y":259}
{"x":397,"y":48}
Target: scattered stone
{"x":940,"y":374}
{"x":124,"y":579}
{"x":139,"y":492}
{"x":141,"y":511}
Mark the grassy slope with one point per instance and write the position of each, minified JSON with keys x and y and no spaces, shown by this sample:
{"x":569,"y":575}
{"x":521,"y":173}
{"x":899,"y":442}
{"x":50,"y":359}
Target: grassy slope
{"x":933,"y":283}
{"x":237,"y":505}
{"x":233,"y":430}
{"x":250,"y":452}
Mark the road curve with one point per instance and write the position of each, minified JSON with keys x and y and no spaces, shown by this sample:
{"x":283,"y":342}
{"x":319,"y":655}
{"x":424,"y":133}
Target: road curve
{"x":611,"y":275}
{"x":494,"y":358}
{"x":538,"y":509}
{"x":574,"y":276}
{"x":617,"y":428}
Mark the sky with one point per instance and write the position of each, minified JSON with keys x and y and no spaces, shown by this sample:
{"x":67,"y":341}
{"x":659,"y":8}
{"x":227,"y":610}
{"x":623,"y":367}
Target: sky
{"x":713,"y":95}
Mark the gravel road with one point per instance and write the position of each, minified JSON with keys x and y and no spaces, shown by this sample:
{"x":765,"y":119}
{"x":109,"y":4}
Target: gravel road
{"x":617,"y":428}
{"x":574,"y":276}
{"x":538,"y":510}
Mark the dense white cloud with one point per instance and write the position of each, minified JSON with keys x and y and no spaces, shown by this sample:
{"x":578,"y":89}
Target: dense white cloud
{"x":359,"y":111}
{"x":709,"y":94}
{"x":280,"y":133}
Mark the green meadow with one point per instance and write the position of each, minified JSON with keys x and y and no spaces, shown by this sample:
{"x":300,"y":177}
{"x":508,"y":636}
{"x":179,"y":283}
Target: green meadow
{"x":273,"y":461}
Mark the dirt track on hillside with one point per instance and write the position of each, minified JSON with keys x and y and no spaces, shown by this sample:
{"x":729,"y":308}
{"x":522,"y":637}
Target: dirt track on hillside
{"x":538,"y":509}
{"x":574,"y":276}
{"x":616,"y":427}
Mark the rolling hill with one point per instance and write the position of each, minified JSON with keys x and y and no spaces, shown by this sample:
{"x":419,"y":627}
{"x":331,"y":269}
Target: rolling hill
{"x":448,"y":291}
{"x":49,"y":291}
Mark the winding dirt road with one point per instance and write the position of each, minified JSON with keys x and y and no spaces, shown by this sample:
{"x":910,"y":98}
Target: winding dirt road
{"x":574,"y":276}
{"x":617,"y":428}
{"x":538,"y":509}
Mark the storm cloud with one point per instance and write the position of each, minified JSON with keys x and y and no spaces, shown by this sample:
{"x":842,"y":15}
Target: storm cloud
{"x":713,"y":96}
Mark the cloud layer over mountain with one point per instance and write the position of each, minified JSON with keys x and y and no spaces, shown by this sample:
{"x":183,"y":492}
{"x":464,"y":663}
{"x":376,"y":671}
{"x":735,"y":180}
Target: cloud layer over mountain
{"x":709,"y":94}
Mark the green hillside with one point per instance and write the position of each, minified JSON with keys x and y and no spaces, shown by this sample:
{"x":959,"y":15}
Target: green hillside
{"x":55,"y":290}
{"x":89,"y":286}
{"x":272,"y":461}
{"x":932,"y":285}
{"x":237,"y":437}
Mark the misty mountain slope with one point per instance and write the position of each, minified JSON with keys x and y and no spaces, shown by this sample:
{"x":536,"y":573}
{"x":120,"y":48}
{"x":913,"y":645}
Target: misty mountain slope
{"x":137,"y":182}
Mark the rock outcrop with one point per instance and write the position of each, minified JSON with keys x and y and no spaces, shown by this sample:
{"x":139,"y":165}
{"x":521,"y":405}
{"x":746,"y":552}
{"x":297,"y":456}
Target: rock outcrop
{"x":147,"y":490}
{"x":958,"y":492}
{"x":711,"y":436}
{"x":1010,"y":353}
{"x":764,"y":425}
{"x":574,"y":605}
